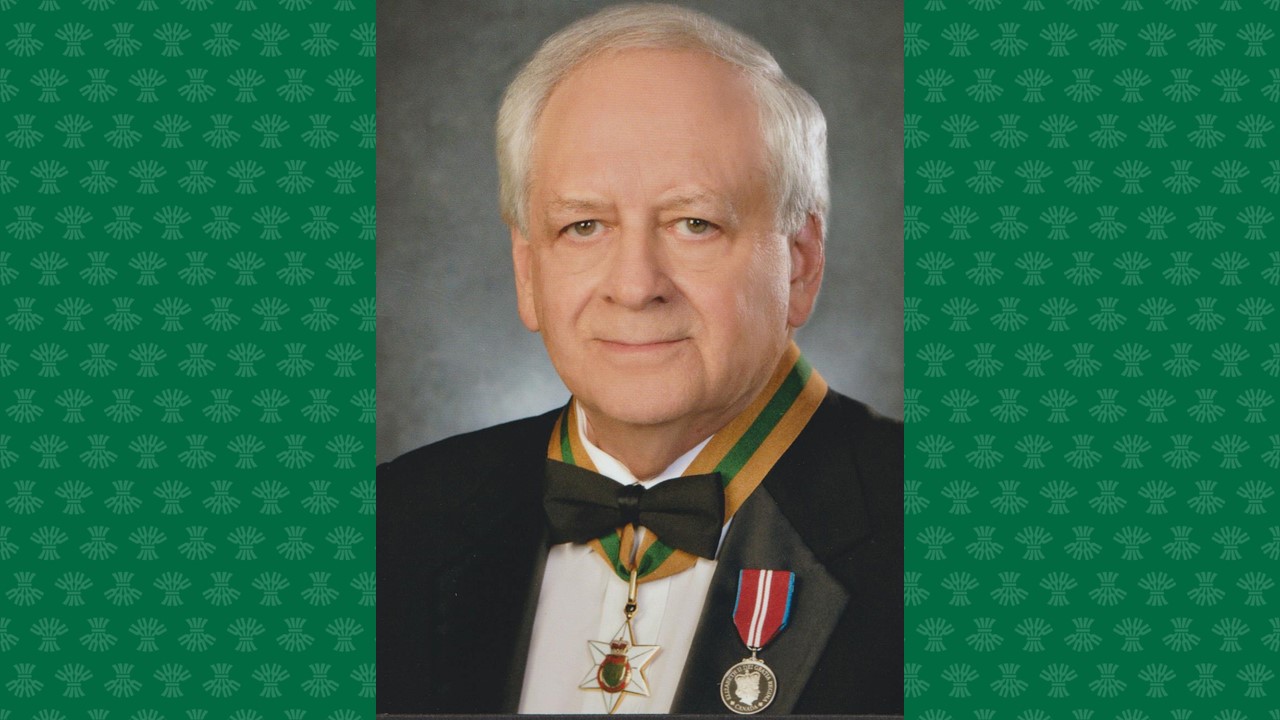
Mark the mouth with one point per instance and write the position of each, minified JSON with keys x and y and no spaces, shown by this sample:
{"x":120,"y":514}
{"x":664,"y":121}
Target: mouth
{"x":639,"y":345}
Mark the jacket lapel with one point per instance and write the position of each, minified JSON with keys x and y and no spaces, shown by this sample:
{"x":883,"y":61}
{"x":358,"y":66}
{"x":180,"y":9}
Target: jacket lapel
{"x":522,"y":634}
{"x":761,"y":537}
{"x":815,"y":475}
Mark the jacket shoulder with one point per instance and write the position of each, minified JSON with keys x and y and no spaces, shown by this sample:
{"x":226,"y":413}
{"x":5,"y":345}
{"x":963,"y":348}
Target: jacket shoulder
{"x":479,"y":448}
{"x":448,"y":482}
{"x":841,"y":479}
{"x":877,"y":439}
{"x":873,"y":427}
{"x":877,"y":443}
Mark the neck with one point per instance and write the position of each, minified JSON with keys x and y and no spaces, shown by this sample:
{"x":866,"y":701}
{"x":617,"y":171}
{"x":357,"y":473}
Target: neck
{"x":647,"y":450}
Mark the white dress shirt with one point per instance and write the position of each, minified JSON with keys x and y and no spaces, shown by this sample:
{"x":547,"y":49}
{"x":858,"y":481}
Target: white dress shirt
{"x":582,"y":599}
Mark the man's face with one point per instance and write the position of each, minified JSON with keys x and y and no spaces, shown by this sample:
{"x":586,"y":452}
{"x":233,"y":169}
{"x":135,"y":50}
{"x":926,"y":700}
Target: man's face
{"x":652,"y":266}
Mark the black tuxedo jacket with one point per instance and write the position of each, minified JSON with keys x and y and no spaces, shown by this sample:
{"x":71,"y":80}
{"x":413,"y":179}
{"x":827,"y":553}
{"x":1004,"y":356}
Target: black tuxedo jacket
{"x":461,"y":548}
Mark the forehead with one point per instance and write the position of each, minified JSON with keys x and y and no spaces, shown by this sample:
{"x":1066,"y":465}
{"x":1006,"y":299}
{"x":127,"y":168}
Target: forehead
{"x":647,"y":121}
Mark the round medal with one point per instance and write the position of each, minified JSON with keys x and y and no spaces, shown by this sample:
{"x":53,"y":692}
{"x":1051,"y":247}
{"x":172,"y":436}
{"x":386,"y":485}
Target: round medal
{"x":748,"y":687}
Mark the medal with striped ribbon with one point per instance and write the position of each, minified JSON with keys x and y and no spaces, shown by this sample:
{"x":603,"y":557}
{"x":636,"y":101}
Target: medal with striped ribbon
{"x":741,"y":453}
{"x":761,"y":612}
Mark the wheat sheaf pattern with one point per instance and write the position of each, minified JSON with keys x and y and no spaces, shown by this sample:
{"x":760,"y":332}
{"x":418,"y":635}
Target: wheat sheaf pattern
{"x":186,"y":360}
{"x":1093,"y":359}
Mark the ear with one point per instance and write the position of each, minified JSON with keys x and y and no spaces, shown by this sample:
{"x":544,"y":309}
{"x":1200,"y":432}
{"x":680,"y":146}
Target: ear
{"x":522,"y":260}
{"x":808,"y":257}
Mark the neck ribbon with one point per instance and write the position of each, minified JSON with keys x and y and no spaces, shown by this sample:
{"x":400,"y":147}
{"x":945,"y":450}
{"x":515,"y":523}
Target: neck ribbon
{"x":742,"y":453}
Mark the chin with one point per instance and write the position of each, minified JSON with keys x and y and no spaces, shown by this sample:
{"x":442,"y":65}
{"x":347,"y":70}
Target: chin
{"x":638,"y":405}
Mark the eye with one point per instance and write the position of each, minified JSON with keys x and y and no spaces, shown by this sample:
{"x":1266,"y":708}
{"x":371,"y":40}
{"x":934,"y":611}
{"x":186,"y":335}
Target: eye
{"x":694,"y":226}
{"x":582,"y":228}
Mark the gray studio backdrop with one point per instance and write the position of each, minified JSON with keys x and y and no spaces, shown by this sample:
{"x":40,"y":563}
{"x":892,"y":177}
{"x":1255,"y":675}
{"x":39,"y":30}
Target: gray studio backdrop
{"x":452,"y":354}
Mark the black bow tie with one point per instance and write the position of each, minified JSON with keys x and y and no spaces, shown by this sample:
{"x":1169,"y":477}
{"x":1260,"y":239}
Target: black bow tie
{"x":684,"y":512}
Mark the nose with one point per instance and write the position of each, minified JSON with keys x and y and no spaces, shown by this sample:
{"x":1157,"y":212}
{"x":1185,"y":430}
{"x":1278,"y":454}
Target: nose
{"x":637,"y":273}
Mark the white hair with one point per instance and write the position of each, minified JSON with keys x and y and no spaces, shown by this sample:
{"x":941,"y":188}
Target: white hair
{"x":794,"y":129}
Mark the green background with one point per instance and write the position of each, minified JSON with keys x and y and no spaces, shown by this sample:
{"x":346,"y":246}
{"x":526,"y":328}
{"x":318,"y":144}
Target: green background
{"x":1073,"y":551}
{"x":186,"y":366}
{"x":1091,"y":359}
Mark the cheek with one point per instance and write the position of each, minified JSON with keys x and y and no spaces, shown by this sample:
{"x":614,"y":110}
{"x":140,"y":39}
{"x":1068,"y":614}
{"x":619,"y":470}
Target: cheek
{"x":748,"y":308}
{"x":560,"y":298}
{"x":764,"y":294}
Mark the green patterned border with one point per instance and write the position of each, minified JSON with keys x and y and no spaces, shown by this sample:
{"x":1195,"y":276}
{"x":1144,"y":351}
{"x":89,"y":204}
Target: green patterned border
{"x":1092,"y":359}
{"x":187,"y":359}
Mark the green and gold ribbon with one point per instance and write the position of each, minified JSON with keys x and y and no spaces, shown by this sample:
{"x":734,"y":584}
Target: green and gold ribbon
{"x":742,"y":453}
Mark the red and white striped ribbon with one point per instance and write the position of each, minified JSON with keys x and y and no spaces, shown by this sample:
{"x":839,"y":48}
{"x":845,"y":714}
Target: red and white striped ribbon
{"x":763,"y":606}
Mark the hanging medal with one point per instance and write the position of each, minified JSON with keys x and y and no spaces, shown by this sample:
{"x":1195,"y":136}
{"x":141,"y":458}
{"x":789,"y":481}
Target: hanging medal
{"x":619,"y":664}
{"x":761,"y":612}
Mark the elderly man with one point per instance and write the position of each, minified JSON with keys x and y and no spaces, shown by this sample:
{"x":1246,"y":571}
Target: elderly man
{"x":705,"y":526}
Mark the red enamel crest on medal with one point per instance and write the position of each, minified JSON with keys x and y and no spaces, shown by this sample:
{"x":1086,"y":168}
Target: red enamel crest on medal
{"x":614,"y":671}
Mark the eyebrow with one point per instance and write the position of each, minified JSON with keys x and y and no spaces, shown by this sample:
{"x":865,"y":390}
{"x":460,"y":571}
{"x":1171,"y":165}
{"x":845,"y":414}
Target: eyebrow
{"x":699,"y":198}
{"x":572,"y":204}
{"x":693,"y":198}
